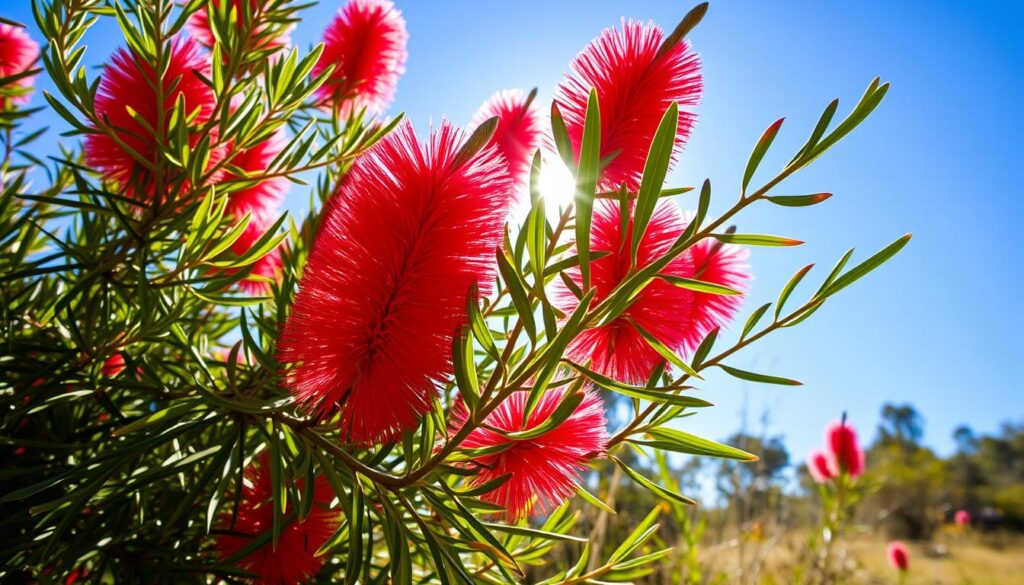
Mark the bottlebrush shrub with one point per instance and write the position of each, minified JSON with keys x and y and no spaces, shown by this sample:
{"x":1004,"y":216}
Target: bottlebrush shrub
{"x":407,"y":383}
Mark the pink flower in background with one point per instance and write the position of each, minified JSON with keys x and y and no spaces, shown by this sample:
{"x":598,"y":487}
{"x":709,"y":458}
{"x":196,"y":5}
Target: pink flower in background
{"x":819,"y":468}
{"x":268,"y":266}
{"x":200,"y":28}
{"x":520,"y":129}
{"x":400,"y":243}
{"x":366,"y":45}
{"x":544,"y":469}
{"x":844,"y":453}
{"x":962,"y":518}
{"x":293,"y":561}
{"x":18,"y":54}
{"x":680,"y":318}
{"x":128,"y":82}
{"x":635,"y":86}
{"x":262,"y":200}
{"x":898,"y":555}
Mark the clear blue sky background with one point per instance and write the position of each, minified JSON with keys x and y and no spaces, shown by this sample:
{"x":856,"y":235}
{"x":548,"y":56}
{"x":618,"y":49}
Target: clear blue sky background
{"x":940,"y":326}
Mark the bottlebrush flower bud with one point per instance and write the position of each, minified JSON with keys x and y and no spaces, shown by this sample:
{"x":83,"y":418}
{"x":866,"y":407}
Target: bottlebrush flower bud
{"x":400,"y":243}
{"x":898,"y":555}
{"x":635,"y":86}
{"x":18,"y":54}
{"x":962,"y":518}
{"x":680,"y":318}
{"x":844,"y":454}
{"x":366,"y":45}
{"x":544,"y":469}
{"x":113,"y":365}
{"x":519,"y":131}
{"x":819,"y":468}
{"x":126,"y":86}
{"x":293,"y":561}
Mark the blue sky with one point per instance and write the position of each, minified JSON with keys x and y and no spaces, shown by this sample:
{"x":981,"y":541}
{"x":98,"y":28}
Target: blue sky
{"x":940,"y":325}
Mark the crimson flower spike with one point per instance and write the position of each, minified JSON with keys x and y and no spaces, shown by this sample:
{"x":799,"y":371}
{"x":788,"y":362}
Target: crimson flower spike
{"x":128,"y":105}
{"x":18,"y":53}
{"x":412,"y":227}
{"x":519,"y":132}
{"x":544,"y":470}
{"x":366,"y":45}
{"x":637,"y":73}
{"x":293,"y":560}
{"x":678,"y":317}
{"x":844,"y":453}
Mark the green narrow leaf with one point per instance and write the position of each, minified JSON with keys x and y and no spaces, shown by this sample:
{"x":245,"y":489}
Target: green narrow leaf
{"x":788,"y":289}
{"x":652,"y":394}
{"x":681,"y":442}
{"x":561,"y":137}
{"x":664,"y":351}
{"x":517,"y":292}
{"x":586,"y":184}
{"x":465,"y":368}
{"x":762,"y":146}
{"x":752,"y":377}
{"x":476,"y":142}
{"x":799,"y":200}
{"x":658,"y":158}
{"x":699,"y":285}
{"x":651,"y":486}
{"x":687,"y":24}
{"x":637,"y":537}
{"x":865,"y":267}
{"x":753,"y":319}
{"x":756,"y":240}
{"x":593,"y":500}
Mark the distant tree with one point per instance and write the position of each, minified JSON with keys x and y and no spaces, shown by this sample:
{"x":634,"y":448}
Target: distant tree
{"x":901,"y":425}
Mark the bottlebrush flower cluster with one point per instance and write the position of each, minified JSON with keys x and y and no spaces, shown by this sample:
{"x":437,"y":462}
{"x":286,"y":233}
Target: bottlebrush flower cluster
{"x":137,"y":118}
{"x":410,"y":230}
{"x":678,"y":317}
{"x":842,"y":455}
{"x":365,"y":43}
{"x":293,"y":559}
{"x":544,"y":469}
{"x":899,"y":556}
{"x":18,"y":54}
{"x":635,"y":82}
{"x":519,"y":132}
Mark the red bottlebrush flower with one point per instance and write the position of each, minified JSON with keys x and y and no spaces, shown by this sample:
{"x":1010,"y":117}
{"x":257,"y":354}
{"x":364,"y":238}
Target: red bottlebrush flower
{"x":366,"y":44}
{"x":962,"y":518}
{"x":898,"y":555}
{"x":400,"y":243}
{"x":635,"y":86}
{"x":819,"y":468}
{"x":678,"y":317}
{"x":544,"y":469}
{"x":263,"y":199}
{"x":113,"y":366}
{"x":128,"y":82}
{"x":269,"y":266}
{"x":18,"y":53}
{"x":293,"y":561}
{"x":844,"y":454}
{"x":519,"y":131}
{"x":200,"y":29}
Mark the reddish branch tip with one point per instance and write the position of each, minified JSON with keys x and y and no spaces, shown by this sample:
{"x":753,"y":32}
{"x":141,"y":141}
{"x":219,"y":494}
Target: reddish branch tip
{"x":544,"y":469}
{"x":520,"y":130}
{"x":635,"y":86}
{"x":18,"y":54}
{"x":128,"y":85}
{"x":293,"y":560}
{"x":384,"y":289}
{"x":366,"y":45}
{"x":680,"y":318}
